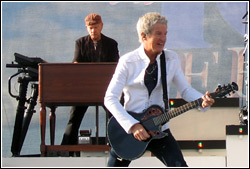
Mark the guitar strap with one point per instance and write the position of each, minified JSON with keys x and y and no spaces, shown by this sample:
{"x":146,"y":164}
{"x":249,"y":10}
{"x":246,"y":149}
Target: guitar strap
{"x":164,"y":81}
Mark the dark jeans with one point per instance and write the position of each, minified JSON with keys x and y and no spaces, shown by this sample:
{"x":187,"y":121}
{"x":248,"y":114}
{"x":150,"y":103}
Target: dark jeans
{"x":77,"y":113}
{"x":70,"y":136}
{"x":166,"y":149}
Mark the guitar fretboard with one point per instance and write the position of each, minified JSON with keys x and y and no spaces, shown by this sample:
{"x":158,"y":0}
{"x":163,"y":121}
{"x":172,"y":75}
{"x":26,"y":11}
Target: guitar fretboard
{"x":220,"y":92}
{"x":165,"y":117}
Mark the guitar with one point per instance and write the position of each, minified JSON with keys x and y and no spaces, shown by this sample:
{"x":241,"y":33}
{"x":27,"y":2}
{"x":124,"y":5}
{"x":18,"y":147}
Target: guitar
{"x":129,"y":148}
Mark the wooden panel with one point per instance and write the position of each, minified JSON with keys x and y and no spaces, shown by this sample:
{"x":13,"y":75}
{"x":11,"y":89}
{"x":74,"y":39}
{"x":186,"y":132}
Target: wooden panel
{"x":74,"y":84}
{"x":79,"y":147}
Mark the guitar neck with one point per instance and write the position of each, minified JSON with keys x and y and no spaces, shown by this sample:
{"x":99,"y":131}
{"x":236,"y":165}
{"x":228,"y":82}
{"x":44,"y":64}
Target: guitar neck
{"x":165,"y":117}
{"x":219,"y":92}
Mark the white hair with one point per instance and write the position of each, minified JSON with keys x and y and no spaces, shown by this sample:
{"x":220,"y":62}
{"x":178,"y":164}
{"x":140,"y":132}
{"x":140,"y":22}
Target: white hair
{"x":146,"y":22}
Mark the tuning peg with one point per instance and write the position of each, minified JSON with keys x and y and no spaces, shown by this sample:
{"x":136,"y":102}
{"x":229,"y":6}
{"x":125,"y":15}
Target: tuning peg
{"x":219,"y":86}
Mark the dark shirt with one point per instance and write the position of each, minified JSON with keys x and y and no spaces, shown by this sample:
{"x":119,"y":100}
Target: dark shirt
{"x":150,"y":78}
{"x":106,"y":50}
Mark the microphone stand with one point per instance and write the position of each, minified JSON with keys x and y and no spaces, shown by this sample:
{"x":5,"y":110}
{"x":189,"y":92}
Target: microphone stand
{"x":243,"y":115}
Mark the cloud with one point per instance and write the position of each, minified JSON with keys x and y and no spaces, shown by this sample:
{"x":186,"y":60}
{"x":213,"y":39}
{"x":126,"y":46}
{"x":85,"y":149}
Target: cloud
{"x":38,"y":33}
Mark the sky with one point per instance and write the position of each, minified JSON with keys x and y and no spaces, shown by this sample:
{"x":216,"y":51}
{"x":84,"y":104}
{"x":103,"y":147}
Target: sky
{"x":47,"y":28}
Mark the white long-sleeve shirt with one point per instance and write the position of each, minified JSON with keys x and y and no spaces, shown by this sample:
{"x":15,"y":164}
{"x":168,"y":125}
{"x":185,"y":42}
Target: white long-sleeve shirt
{"x":129,"y":78}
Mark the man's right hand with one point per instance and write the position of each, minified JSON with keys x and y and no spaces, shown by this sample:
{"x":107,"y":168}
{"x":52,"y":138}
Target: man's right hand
{"x":139,"y":132}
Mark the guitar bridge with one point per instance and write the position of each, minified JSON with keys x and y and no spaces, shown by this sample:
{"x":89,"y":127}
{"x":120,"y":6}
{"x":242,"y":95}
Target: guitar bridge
{"x":154,"y":133}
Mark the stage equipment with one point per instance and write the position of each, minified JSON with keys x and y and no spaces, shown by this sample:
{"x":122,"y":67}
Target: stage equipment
{"x":28,"y":71}
{"x":243,"y":115}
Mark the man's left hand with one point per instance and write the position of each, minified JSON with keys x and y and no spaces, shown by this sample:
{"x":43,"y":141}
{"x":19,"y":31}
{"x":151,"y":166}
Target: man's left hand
{"x":207,"y":100}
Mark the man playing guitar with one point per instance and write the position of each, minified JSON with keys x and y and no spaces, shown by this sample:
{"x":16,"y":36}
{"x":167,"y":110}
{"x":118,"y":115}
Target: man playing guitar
{"x":138,"y":76}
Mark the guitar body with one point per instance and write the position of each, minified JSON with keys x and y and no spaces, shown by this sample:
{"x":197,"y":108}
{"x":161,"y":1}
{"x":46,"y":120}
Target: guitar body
{"x":125,"y":145}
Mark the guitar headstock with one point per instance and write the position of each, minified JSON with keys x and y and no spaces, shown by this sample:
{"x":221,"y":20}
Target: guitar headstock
{"x":223,"y":91}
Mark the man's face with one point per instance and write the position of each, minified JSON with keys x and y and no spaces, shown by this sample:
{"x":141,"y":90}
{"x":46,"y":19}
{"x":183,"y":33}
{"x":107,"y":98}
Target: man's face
{"x":154,"y":42}
{"x":95,"y":31}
